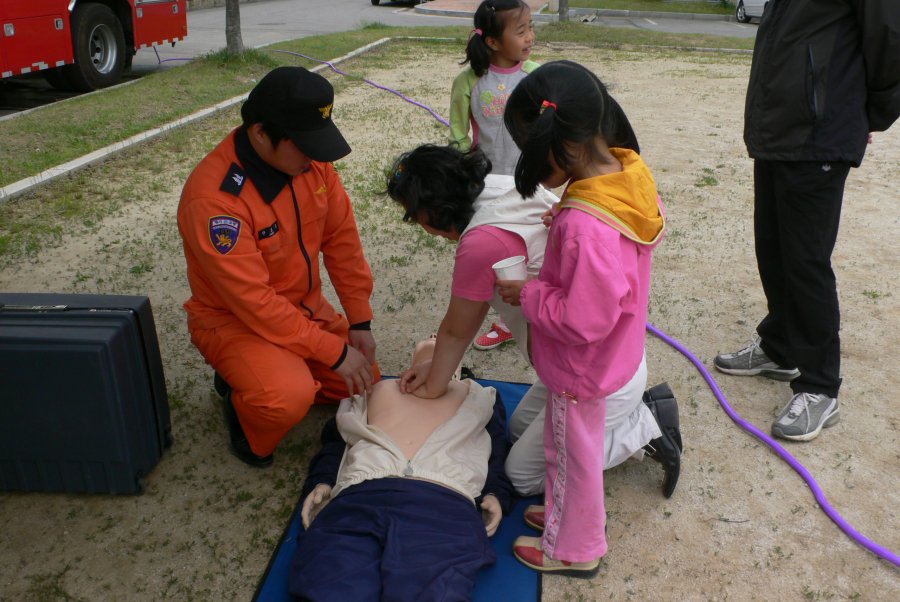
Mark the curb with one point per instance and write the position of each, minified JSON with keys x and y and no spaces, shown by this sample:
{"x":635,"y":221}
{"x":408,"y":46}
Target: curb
{"x":576,"y":13}
{"x":608,"y":12}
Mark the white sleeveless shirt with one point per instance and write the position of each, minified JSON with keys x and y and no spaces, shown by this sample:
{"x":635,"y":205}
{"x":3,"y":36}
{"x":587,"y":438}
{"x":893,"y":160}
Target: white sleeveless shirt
{"x":500,"y":205}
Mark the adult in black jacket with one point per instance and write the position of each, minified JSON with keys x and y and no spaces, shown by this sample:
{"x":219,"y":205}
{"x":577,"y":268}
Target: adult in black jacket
{"x":825,"y":74}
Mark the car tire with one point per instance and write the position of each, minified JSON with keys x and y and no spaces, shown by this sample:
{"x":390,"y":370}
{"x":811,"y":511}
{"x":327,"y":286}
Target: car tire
{"x":740,"y":13}
{"x":375,"y":2}
{"x":98,"y":44}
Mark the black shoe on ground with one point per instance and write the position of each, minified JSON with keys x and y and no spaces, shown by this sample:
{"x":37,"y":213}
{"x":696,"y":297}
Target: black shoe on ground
{"x":240,"y":447}
{"x":221,"y":387}
{"x":665,"y":449}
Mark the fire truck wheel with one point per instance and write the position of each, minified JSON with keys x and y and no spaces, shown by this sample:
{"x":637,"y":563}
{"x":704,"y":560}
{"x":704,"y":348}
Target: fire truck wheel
{"x":99,"y":48}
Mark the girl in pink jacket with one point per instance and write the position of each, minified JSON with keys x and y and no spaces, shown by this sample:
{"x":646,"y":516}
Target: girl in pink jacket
{"x":588,"y":307}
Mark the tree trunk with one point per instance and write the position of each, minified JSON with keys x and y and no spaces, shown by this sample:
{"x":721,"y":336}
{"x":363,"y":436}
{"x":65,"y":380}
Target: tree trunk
{"x":233,"y":41}
{"x":563,"y":10}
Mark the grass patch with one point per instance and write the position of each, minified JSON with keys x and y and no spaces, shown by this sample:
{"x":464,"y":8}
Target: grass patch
{"x":67,"y":130}
{"x":662,"y":6}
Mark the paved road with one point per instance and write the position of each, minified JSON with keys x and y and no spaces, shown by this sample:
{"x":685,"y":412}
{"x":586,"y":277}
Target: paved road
{"x":681,"y":26}
{"x":271,"y":21}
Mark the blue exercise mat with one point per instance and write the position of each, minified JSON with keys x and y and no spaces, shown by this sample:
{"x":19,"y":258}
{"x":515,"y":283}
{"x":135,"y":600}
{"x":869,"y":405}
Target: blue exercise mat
{"x":506,"y":580}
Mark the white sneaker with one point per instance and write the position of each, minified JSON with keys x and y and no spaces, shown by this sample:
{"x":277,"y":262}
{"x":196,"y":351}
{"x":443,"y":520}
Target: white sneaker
{"x":753,"y":361}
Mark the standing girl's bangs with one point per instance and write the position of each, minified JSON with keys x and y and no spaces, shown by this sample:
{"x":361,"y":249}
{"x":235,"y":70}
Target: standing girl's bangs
{"x":492,"y":16}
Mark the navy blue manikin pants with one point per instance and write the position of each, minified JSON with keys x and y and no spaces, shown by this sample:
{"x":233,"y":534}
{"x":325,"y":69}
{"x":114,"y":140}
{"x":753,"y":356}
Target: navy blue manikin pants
{"x":395,"y":540}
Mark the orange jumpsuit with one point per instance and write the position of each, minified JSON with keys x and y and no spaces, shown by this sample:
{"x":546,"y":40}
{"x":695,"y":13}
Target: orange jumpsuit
{"x":252,"y":240}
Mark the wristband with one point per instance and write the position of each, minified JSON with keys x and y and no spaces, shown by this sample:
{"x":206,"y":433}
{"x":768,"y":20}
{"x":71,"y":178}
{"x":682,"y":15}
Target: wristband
{"x":341,"y":359}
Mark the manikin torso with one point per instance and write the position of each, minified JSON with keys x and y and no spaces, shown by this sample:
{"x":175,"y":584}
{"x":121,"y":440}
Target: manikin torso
{"x":408,"y":419}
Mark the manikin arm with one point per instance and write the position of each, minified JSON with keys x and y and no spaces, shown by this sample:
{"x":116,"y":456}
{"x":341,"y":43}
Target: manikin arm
{"x":497,"y":483}
{"x":491,"y":513}
{"x":314,"y":503}
{"x":323,"y":468}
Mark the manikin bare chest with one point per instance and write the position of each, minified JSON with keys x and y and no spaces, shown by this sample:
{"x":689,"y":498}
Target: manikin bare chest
{"x":408,"y":419}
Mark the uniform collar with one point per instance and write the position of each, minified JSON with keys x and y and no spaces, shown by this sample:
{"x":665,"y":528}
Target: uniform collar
{"x":267,"y":180}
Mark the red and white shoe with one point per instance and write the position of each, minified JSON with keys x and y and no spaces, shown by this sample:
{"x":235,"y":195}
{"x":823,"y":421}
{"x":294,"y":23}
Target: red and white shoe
{"x":534,"y":517}
{"x":493,"y":338}
{"x":529,"y":552}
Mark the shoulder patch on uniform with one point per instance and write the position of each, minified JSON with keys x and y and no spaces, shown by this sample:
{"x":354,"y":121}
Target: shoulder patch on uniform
{"x":224,"y":231}
{"x":234,"y":180}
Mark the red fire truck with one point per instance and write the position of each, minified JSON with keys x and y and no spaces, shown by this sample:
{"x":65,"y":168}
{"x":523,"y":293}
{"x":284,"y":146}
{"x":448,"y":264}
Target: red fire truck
{"x":83,"y":44}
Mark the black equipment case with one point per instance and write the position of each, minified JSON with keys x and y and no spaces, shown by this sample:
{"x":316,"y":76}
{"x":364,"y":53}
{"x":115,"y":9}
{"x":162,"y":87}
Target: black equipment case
{"x":83,"y":403}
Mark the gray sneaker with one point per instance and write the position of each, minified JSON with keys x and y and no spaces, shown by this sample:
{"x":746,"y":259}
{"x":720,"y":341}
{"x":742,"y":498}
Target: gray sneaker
{"x":804,"y":417}
{"x":753,"y":361}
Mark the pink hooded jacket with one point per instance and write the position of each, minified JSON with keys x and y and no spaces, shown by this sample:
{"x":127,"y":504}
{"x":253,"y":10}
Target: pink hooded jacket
{"x":588,"y":307}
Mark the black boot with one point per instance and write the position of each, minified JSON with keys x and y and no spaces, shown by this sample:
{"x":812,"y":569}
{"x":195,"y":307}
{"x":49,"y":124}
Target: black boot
{"x":665,"y":449}
{"x":240,"y":447}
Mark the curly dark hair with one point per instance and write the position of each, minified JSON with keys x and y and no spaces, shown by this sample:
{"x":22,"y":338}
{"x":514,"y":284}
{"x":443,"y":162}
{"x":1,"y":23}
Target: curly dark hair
{"x":437,"y":185}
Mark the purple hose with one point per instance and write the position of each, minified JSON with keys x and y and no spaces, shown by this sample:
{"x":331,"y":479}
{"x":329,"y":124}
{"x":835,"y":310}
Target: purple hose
{"x":371,"y":83}
{"x":162,"y":60}
{"x":833,"y":514}
{"x":792,"y":462}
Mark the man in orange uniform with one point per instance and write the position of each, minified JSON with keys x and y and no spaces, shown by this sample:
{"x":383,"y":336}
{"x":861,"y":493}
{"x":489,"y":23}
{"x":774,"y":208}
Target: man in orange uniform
{"x":255,"y":215}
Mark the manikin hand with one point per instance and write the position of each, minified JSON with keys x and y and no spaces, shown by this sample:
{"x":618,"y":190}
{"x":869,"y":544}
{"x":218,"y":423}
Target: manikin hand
{"x":314,"y":502}
{"x":510,"y":290}
{"x":356,"y":371}
{"x":364,"y":342}
{"x":490,"y":513}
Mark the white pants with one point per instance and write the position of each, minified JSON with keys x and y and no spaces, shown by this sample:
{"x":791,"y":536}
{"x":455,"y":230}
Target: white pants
{"x":629,"y":427}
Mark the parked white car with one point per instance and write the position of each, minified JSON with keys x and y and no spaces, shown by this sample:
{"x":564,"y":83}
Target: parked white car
{"x":750,"y":9}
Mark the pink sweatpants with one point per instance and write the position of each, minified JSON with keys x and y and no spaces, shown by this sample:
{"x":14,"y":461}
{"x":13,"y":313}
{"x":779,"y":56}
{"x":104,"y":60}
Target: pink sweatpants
{"x":573,"y":496}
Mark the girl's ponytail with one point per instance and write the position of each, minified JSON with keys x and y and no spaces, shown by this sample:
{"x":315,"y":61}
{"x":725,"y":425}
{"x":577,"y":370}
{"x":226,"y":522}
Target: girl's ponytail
{"x":478,"y":53}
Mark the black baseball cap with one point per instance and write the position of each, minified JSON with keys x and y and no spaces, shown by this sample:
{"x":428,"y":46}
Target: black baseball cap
{"x":300,"y":102}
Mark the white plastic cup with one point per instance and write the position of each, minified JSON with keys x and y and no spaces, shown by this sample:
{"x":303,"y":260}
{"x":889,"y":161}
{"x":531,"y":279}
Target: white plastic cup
{"x":511,"y":268}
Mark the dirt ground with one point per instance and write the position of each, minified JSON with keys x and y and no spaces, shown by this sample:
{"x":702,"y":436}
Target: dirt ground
{"x":742,"y":524}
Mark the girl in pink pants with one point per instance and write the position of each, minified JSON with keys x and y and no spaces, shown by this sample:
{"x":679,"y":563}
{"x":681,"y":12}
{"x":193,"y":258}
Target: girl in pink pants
{"x":588,"y":307}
